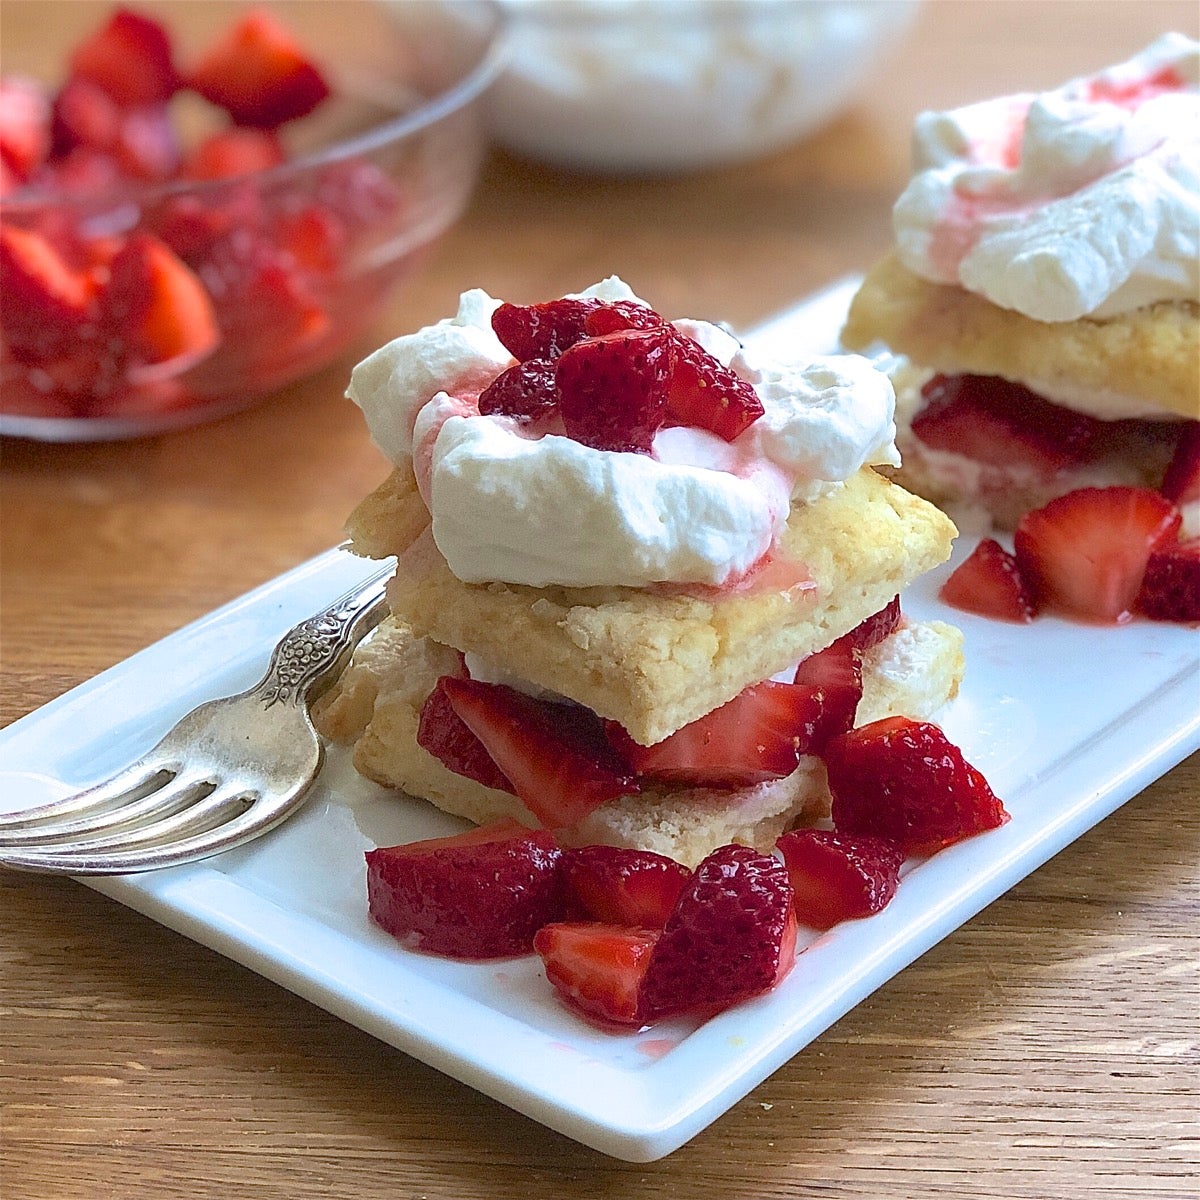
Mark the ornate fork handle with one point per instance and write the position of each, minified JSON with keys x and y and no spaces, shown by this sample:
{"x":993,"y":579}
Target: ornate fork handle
{"x":317,"y":646}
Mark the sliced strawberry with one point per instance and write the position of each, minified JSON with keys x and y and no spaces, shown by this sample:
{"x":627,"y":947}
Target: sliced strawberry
{"x":525,"y":391}
{"x":834,"y":677}
{"x":554,"y":755}
{"x":839,"y":878}
{"x":365,"y":198}
{"x":259,"y":73}
{"x":232,"y":152}
{"x":130,"y":57}
{"x":597,"y":969}
{"x":24,"y":126}
{"x":314,"y":237}
{"x":158,"y":306}
{"x":85,"y":115}
{"x":990,"y":583}
{"x":621,"y":886}
{"x":141,"y":139}
{"x":1171,"y":585}
{"x":705,"y":394}
{"x":542,"y":330}
{"x":480,"y":894}
{"x":445,"y":735}
{"x":905,"y":782}
{"x":1084,"y":553}
{"x":876,"y":627}
{"x":194,"y":225}
{"x":731,"y":935}
{"x":1181,"y":483}
{"x":615,"y":315}
{"x":991,"y":420}
{"x":612,"y":389}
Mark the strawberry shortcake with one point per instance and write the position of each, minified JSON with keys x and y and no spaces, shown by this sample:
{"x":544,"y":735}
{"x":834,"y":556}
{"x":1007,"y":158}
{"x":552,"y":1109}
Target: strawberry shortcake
{"x":643,"y":577}
{"x":1044,"y":293}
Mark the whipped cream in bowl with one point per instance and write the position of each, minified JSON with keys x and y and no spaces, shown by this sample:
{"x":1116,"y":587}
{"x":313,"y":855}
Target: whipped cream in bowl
{"x":518,"y":503}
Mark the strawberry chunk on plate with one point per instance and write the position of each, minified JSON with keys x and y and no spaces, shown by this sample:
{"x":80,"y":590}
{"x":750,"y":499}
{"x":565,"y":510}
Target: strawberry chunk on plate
{"x":621,"y":886}
{"x":598,"y":969}
{"x":839,"y":878}
{"x":989,"y":582}
{"x":1171,"y":586}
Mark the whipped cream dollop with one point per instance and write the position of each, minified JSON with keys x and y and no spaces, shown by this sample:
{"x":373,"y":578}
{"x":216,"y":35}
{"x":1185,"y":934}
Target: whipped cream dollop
{"x":508,"y":506}
{"x":1082,"y":201}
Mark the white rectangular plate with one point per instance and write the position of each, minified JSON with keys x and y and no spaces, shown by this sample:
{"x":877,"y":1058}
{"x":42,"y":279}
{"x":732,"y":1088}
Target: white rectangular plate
{"x":1067,"y":721}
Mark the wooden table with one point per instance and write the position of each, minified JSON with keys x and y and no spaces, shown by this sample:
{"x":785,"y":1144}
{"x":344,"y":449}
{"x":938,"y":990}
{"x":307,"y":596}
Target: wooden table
{"x":1047,"y":1049}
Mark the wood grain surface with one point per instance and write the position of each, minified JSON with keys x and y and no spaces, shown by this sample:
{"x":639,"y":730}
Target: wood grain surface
{"x":1047,"y":1049}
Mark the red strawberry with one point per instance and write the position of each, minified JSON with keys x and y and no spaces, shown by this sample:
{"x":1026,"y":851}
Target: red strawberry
{"x":597,"y":969}
{"x":622,"y":886}
{"x":875,"y":628}
{"x":232,"y":152}
{"x":612,"y":389}
{"x":990,"y":583}
{"x":147,"y":146}
{"x":24,"y":126}
{"x":193,"y":225}
{"x":839,"y":878}
{"x":904,"y":781}
{"x":542,"y":330}
{"x":142,"y":139}
{"x":85,"y":115}
{"x":525,"y":391}
{"x":259,"y":74}
{"x":1181,"y":483}
{"x":479,"y":894}
{"x":1171,"y":585}
{"x":81,"y":171}
{"x":991,"y":420}
{"x":706,"y":394}
{"x":130,"y":58}
{"x":554,"y":755}
{"x":444,"y":734}
{"x":731,"y":936}
{"x":314,"y":237}
{"x":1084,"y":553}
{"x":835,"y":675}
{"x":365,"y":198}
{"x":620,"y":314}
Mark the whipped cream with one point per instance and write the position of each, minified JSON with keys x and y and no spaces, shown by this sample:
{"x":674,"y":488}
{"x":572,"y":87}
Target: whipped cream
{"x":1082,"y":201}
{"x":513,"y":508}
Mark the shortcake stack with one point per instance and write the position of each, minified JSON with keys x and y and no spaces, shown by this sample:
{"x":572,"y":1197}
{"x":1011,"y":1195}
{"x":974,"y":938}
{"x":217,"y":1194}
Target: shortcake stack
{"x":1044,"y":292}
{"x":642,"y":576}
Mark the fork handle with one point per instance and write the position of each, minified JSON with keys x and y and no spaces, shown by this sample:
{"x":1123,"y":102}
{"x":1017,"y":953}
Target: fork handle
{"x":313,"y":650}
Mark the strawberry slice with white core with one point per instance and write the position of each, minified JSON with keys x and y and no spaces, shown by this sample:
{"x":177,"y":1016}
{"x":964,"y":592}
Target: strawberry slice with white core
{"x":1084,"y":554}
{"x":1171,"y":585}
{"x":839,"y":878}
{"x":554,"y":755}
{"x":622,"y":886}
{"x":445,"y":735}
{"x":989,"y":582}
{"x":598,"y":969}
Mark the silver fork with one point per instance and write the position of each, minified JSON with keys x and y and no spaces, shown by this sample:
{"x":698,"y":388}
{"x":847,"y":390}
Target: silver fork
{"x":226,"y":773}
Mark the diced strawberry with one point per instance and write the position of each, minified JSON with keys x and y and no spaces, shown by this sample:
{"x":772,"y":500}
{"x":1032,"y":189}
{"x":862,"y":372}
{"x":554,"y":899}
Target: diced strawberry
{"x":232,"y":152}
{"x":834,"y":677}
{"x":542,"y":330}
{"x":480,"y":894}
{"x":555,"y":755}
{"x":525,"y":391}
{"x":904,"y":781}
{"x":839,"y":878}
{"x":1084,"y":553}
{"x":84,"y":115}
{"x":612,"y":316}
{"x":991,"y":420}
{"x":705,"y":394}
{"x":142,"y":139}
{"x":731,"y":935}
{"x":314,"y":237}
{"x":259,"y":73}
{"x":156,"y":304}
{"x":612,"y":389}
{"x":597,"y":969}
{"x":1171,"y":585}
{"x":1181,"y":483}
{"x":130,"y":58}
{"x":24,"y":126}
{"x":193,"y":225}
{"x":445,"y":735}
{"x":989,"y":582}
{"x":364,"y":197}
{"x":875,"y":628}
{"x":621,"y":886}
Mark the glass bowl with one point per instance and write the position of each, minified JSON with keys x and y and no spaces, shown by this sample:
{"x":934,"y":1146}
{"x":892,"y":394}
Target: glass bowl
{"x":201,"y":296}
{"x":661,"y":86}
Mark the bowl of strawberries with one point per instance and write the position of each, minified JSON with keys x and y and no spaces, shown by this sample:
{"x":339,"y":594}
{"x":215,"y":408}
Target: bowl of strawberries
{"x":211,"y":201}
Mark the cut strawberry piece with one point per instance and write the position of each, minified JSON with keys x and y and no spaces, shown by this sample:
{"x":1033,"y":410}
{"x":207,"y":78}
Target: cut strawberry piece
{"x":24,"y":126}
{"x":876,"y":627}
{"x":598,"y":970}
{"x":1171,"y":585}
{"x":141,"y":139}
{"x":705,"y":394}
{"x":1084,"y":553}
{"x":834,"y":677}
{"x":905,"y":782}
{"x":314,"y":237}
{"x":1181,"y":483}
{"x":445,"y":735}
{"x":991,"y":420}
{"x":130,"y":58}
{"x":365,"y":199}
{"x":731,"y":936}
{"x":155,"y":303}
{"x":612,"y":389}
{"x":232,"y":152}
{"x":555,"y":755}
{"x":839,"y":878}
{"x":480,"y":894}
{"x":622,"y":886}
{"x":84,"y":115}
{"x":147,"y":146}
{"x":525,"y":391}
{"x":989,"y":582}
{"x":259,"y":74}
{"x":610,"y":317}
{"x":542,"y":330}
